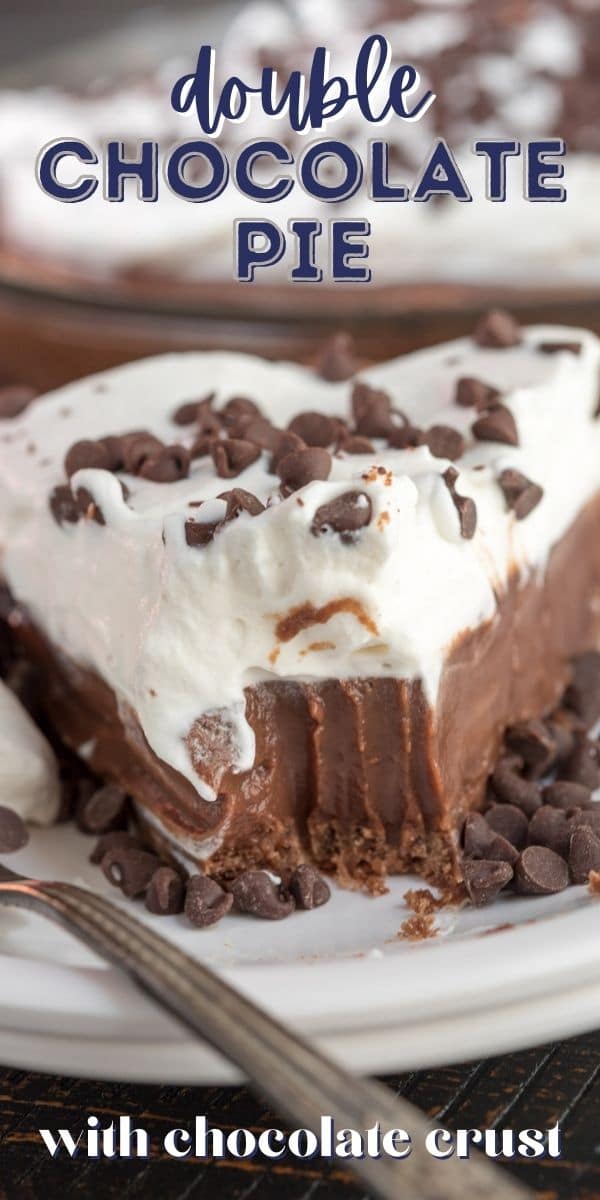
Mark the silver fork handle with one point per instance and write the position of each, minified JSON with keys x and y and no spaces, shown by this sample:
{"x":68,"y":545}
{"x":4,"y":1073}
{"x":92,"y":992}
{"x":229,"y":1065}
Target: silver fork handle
{"x":295,"y":1077}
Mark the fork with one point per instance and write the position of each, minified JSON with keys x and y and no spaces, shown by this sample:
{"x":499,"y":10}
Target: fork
{"x":296,"y":1077}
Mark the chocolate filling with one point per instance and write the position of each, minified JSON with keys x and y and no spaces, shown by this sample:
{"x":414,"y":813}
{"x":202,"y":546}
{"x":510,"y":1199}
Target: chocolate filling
{"x":361,"y":775}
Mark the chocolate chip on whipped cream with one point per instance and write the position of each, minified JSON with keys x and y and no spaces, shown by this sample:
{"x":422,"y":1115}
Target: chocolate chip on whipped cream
{"x":314,"y":428}
{"x":84,"y":454}
{"x":166,"y":464}
{"x":497,"y":425}
{"x":372,"y":411}
{"x":465,"y":506}
{"x":304,"y":466}
{"x":63,"y":505}
{"x":474,"y":393}
{"x":87,"y":506}
{"x":520,"y":493}
{"x":238,"y":500}
{"x":497,"y":330}
{"x":231,"y":456}
{"x":346,"y":515}
{"x":444,"y":441}
{"x":187,"y":413}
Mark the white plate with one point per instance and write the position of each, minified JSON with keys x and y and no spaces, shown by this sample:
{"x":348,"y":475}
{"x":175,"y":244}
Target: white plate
{"x":501,"y":978}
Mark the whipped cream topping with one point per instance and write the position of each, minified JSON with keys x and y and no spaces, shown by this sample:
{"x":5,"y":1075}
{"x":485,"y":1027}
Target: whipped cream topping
{"x":178,"y":631}
{"x":28,"y":771}
{"x":529,"y":76}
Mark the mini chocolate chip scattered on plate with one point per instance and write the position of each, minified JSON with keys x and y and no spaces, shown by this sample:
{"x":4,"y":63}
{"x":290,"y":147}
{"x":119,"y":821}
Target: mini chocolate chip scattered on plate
{"x":254,"y":892}
{"x":206,"y":902}
{"x":565,"y":794}
{"x":511,"y":788}
{"x":166,"y":893}
{"x":510,"y":822}
{"x":129,"y":868}
{"x":549,"y":827}
{"x":540,"y":872}
{"x":484,"y":880}
{"x":584,"y":854}
{"x":481,"y":841}
{"x":13,"y":831}
{"x":308,"y":888}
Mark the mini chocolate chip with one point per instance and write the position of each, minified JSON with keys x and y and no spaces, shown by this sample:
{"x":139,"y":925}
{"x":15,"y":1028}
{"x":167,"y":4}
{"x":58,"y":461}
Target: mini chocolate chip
{"x":137,"y":448}
{"x":337,"y":360}
{"x":166,"y":892}
{"x":238,"y":501}
{"x":167,"y":465}
{"x":406,"y":437}
{"x":510,"y":822}
{"x":200,"y":533}
{"x":303,"y":466}
{"x":464,"y":505}
{"x":582,"y":765}
{"x":521,"y":495}
{"x":63,"y":506}
{"x":286,"y":444}
{"x":85,"y":454}
{"x":372,"y":410}
{"x":473,"y":393}
{"x":255,"y":892}
{"x":354,"y":444}
{"x":535,"y":745}
{"x":104,"y":811}
{"x":497,"y":330}
{"x":444,"y":441}
{"x":87,"y":506}
{"x":497,"y":425}
{"x":549,"y":827}
{"x":192,"y":410}
{"x":233,"y":455}
{"x":480,"y":841}
{"x":566,"y":795}
{"x":346,"y":515}
{"x":202,"y":446}
{"x":13,"y":831}
{"x":485,"y":880}
{"x":206,"y":902}
{"x":308,"y":888}
{"x":510,"y":788}
{"x":314,"y":428}
{"x":14,"y":399}
{"x":584,"y":854}
{"x":587,"y":818}
{"x":262,"y":433}
{"x":541,"y":872}
{"x":239,"y":410}
{"x":129,"y":869}
{"x":558,"y":347}
{"x":114,"y":450}
{"x":583,"y":692}
{"x":120,"y":840}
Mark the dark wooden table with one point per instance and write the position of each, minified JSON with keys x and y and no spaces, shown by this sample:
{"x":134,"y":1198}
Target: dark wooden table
{"x":533,"y":1089}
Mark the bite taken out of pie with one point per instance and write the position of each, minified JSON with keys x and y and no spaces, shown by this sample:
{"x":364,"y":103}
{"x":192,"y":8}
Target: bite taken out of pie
{"x":292,"y":612}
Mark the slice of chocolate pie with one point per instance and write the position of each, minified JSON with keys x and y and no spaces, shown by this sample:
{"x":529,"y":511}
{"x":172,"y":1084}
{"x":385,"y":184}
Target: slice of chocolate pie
{"x":292,"y":612}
